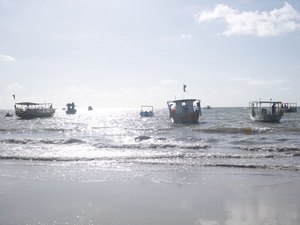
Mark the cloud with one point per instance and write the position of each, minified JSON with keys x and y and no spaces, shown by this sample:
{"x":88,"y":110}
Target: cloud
{"x":13,"y":87}
{"x":257,"y":82}
{"x":169,"y":81}
{"x":251,"y":81}
{"x":262,"y":24}
{"x":7,"y":58}
{"x":186,"y":36}
{"x":286,"y":88}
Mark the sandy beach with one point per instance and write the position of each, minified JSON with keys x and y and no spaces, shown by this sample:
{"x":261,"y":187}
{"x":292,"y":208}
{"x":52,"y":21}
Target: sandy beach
{"x":206,"y":196}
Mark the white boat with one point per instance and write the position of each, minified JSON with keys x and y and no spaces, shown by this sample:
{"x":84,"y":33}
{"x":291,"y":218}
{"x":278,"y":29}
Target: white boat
{"x":184,"y":110}
{"x":29,"y":110}
{"x":146,"y":111}
{"x":266,"y":111}
{"x":290,"y":107}
{"x":71,"y":108}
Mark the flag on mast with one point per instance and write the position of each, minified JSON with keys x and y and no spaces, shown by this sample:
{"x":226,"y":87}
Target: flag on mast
{"x":14,"y":96}
{"x":184,"y":87}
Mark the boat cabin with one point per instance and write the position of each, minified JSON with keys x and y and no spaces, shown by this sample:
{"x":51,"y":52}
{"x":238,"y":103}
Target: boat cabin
{"x":184,"y":110}
{"x":146,"y":111}
{"x":71,"y":108}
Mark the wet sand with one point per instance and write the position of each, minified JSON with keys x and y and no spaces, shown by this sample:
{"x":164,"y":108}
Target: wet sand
{"x":227,"y":196}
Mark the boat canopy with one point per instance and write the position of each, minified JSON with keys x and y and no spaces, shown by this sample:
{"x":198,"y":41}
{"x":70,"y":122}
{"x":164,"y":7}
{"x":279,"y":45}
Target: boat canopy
{"x":265,"y":102}
{"x":184,"y":100}
{"x":143,"y":107}
{"x":32,"y":103}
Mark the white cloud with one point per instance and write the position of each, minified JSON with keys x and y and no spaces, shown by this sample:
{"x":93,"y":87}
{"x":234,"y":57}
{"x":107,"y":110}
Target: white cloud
{"x":13,"y":87}
{"x":262,"y":24}
{"x":186,"y":36}
{"x":286,"y":88}
{"x":169,"y":81}
{"x":7,"y":58}
{"x":252,"y":82}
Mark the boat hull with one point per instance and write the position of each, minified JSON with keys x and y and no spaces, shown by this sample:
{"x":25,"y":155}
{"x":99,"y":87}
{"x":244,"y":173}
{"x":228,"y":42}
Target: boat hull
{"x":266,"y":118}
{"x":71,"y":111}
{"x":146,"y":114}
{"x":191,"y":117}
{"x":28,"y":114}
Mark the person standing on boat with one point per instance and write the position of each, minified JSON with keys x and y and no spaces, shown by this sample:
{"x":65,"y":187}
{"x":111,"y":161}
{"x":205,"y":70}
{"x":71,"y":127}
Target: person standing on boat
{"x":273,"y":108}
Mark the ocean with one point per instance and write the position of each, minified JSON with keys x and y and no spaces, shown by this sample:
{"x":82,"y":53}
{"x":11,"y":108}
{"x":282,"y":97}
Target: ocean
{"x":120,"y":142}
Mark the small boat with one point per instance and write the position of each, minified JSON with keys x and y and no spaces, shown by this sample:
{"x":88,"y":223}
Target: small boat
{"x":208,"y":107}
{"x":146,"y":111}
{"x":266,"y":111}
{"x":184,"y":110}
{"x":71,"y":108}
{"x":90,"y":108}
{"x":290,"y":107}
{"x":9,"y":115}
{"x":29,"y":110}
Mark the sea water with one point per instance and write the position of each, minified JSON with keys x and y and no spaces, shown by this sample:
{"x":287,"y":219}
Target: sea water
{"x":95,"y":145}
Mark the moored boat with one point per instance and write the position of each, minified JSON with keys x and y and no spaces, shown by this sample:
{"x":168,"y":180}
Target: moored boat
{"x":290,"y":107}
{"x":29,"y":110}
{"x":146,"y":111}
{"x":71,"y":108}
{"x":266,"y":111}
{"x":184,"y":110}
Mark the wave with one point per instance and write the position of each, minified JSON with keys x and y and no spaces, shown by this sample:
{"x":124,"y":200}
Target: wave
{"x":170,"y":157}
{"x":291,"y":150}
{"x":256,"y":166}
{"x":41,"y":141}
{"x":140,"y":143}
{"x":185,"y":156}
{"x":235,"y":130}
{"x":158,"y":160}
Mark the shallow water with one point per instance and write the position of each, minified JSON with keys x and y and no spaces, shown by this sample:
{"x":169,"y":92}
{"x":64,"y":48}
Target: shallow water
{"x":121,"y":140}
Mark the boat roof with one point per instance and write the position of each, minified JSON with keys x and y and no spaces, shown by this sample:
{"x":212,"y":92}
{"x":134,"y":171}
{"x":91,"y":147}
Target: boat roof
{"x":266,"y":102}
{"x":185,"y":100}
{"x":31,"y":103}
{"x":290,"y":103}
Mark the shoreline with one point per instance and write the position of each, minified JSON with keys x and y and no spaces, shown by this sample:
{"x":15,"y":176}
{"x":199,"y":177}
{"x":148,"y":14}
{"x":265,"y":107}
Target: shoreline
{"x":210,"y":196}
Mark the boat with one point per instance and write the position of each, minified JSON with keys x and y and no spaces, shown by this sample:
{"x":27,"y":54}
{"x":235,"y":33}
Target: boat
{"x":208,"y":107}
{"x":71,"y":108}
{"x":9,"y":115}
{"x":266,"y":111}
{"x":184,"y":110}
{"x":29,"y":110}
{"x":289,"y":107}
{"x":146,"y":111}
{"x":90,"y":108}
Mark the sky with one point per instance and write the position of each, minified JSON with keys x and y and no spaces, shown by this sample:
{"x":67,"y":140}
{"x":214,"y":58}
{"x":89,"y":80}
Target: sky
{"x":128,"y":53}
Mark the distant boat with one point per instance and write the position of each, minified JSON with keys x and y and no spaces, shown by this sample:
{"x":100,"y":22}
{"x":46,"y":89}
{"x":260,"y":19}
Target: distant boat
{"x":208,"y":107}
{"x":146,"y":111}
{"x":184,"y":110}
{"x":266,"y":111}
{"x":29,"y":110}
{"x":71,"y":108}
{"x":90,"y":108}
{"x":9,"y":115}
{"x":290,"y":107}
